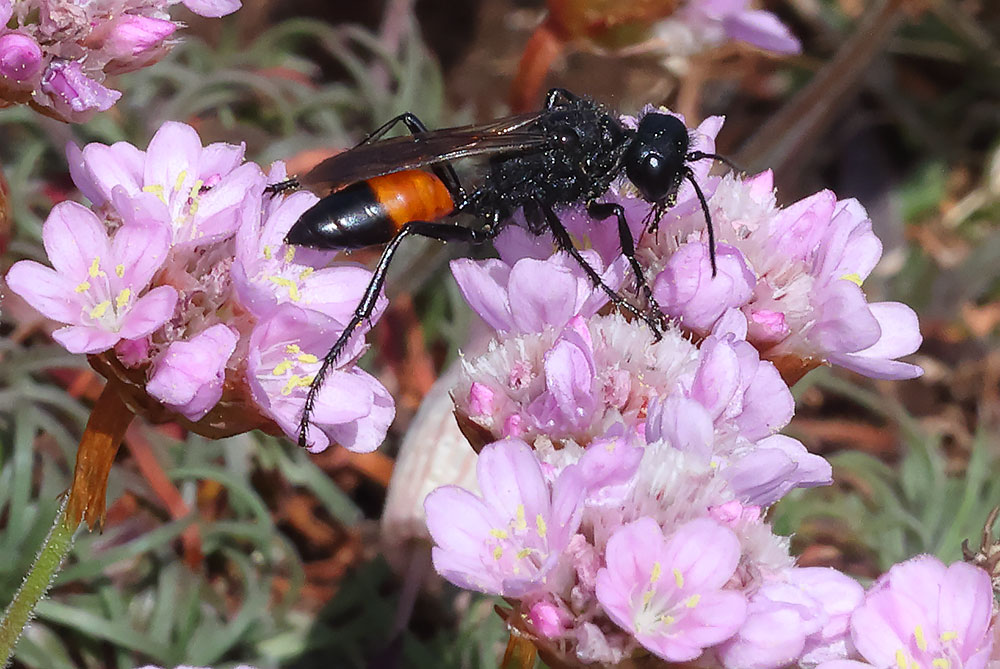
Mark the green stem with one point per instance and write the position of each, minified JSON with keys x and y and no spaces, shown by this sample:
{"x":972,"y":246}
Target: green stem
{"x":54,"y":550}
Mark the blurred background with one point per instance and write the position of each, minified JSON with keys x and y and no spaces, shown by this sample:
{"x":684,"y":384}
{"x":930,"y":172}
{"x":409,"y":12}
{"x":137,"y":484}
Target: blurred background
{"x":250,"y":550}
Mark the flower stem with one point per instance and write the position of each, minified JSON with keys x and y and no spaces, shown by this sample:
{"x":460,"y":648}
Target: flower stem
{"x":84,"y":502}
{"x":54,"y":550}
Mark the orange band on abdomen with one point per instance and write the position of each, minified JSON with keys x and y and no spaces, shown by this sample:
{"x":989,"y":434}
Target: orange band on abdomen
{"x":412,"y":195}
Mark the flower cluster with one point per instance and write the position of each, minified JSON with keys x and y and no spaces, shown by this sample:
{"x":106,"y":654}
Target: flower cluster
{"x":56,"y":55}
{"x":178,"y":282}
{"x":624,"y":474}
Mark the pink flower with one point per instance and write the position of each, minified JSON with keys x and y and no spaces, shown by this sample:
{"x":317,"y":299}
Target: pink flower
{"x":188,"y":376}
{"x":20,"y":57}
{"x":922,"y":613}
{"x":98,"y":285}
{"x":66,"y":88}
{"x":352,"y":408}
{"x":801,"y":617}
{"x":212,"y":8}
{"x":268,"y":272}
{"x":669,"y":592}
{"x":508,"y":540}
{"x":133,"y":35}
{"x":531,"y":295}
{"x":202,"y":193}
{"x":796,"y":275}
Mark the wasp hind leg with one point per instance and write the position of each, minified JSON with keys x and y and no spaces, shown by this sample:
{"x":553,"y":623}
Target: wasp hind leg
{"x":445,"y":232}
{"x":565,"y":243}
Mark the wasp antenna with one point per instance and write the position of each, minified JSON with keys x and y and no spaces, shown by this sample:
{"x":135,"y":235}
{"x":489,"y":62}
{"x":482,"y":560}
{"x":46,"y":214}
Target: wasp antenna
{"x":701,"y":155}
{"x":689,"y":175}
{"x":291,"y":183}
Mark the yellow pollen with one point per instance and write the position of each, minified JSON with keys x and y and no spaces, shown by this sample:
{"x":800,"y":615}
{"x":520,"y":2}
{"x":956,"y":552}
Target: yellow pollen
{"x":292,"y":349}
{"x":523,"y":553}
{"x":193,"y":209}
{"x":941,"y":663}
{"x":281,"y":368}
{"x":95,"y":268}
{"x":180,"y":179}
{"x":293,"y":289}
{"x":122,"y":298}
{"x":289,"y":253}
{"x":195,"y":191}
{"x":692,"y":601}
{"x":498,"y":534}
{"x":900,"y":658}
{"x":853,"y":277}
{"x":520,"y":523}
{"x":157,"y":190}
{"x":100,"y":309}
{"x":307,"y":380}
{"x":308,"y":359}
{"x":540,"y":526}
{"x":918,"y":635}
{"x":267,"y":252}
{"x":83,"y":286}
{"x":292,"y":384}
{"x":948,"y":636}
{"x":667,"y":620}
{"x":647,"y":597}
{"x":306,"y":273}
{"x":678,"y":578}
{"x":119,"y":270}
{"x":657,"y":572}
{"x":497,"y":553}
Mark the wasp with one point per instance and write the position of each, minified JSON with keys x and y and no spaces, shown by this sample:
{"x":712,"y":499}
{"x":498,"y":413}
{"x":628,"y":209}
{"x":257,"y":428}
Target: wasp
{"x":571,"y":151}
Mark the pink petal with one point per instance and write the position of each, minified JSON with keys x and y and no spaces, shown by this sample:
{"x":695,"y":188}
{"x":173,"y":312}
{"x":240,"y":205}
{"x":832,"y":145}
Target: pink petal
{"x":705,"y":552}
{"x":541,"y":294}
{"x":73,"y":237}
{"x":142,"y":249}
{"x":149,"y":312}
{"x":762,"y":29}
{"x":47,"y":291}
{"x":173,"y":150}
{"x":510,"y":476}
{"x":484,"y":286}
{"x":212,"y":8}
{"x":110,"y":166}
{"x":85,"y":339}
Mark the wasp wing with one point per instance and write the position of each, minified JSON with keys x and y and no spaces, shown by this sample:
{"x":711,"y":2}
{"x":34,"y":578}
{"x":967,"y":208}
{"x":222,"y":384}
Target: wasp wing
{"x":506,"y":135}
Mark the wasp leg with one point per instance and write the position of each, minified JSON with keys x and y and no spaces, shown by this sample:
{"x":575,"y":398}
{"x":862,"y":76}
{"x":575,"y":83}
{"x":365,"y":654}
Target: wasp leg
{"x":602,"y":210}
{"x":559,"y":97}
{"x":445,"y":232}
{"x":565,"y":243}
{"x":444,"y":171}
{"x":291,"y":183}
{"x":689,"y":175}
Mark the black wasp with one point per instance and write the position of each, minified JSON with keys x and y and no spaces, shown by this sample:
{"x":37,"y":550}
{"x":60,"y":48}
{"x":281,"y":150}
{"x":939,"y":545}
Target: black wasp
{"x":569,"y":152}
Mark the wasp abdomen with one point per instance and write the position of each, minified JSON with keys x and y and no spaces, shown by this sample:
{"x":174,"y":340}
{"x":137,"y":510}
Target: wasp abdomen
{"x":371,"y":212}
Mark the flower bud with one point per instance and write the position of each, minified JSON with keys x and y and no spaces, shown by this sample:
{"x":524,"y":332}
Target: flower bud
{"x":66,"y":82}
{"x":20,"y":56}
{"x":134,"y":35}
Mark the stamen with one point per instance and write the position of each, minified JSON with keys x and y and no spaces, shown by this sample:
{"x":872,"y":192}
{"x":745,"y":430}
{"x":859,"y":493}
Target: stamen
{"x":119,"y":270}
{"x":123,"y":297}
{"x":901,"y":659}
{"x":289,"y":253}
{"x":498,"y":533}
{"x":82,"y":287}
{"x":692,"y":601}
{"x":918,"y":634}
{"x":941,"y":663}
{"x":540,"y":526}
{"x":520,"y":523}
{"x":100,"y":309}
{"x":180,"y":180}
{"x":306,"y":273}
{"x":948,"y":636}
{"x":292,"y":349}
{"x":267,"y":252}
{"x":95,"y":268}
{"x":293,"y":289}
{"x":292,"y":384}
{"x":281,"y":368}
{"x":656,"y":573}
{"x":308,"y":359}
{"x":853,"y":277}
{"x":497,"y":553}
{"x":157,"y":190}
{"x":678,"y":578}
{"x":523,"y":553}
